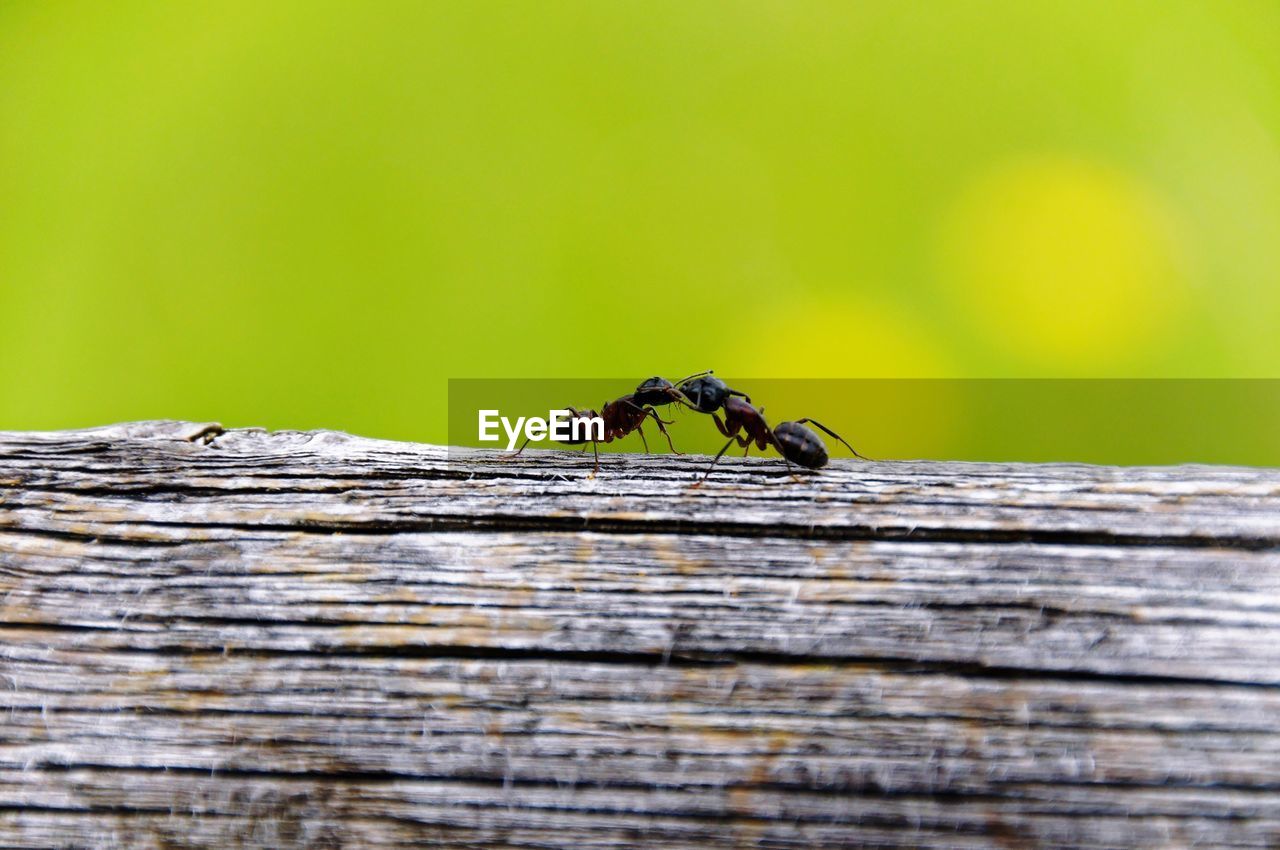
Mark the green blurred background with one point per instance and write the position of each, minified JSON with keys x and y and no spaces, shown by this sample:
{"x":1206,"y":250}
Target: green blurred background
{"x":311,"y":214}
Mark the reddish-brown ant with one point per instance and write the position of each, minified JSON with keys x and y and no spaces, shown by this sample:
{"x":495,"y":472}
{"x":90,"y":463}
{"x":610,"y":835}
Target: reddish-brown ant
{"x":796,"y":443}
{"x":575,"y":415}
{"x":624,"y":415}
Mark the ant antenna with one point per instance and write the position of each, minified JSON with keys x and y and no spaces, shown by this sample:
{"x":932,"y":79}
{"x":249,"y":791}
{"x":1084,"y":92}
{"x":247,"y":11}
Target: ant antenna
{"x":833,"y":434}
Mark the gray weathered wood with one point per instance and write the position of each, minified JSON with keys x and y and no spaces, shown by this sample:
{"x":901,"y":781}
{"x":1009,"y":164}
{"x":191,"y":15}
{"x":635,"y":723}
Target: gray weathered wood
{"x":218,"y":638}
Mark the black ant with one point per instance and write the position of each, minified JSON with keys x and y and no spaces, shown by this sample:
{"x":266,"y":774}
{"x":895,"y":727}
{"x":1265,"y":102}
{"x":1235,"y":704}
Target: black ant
{"x":795,"y":442}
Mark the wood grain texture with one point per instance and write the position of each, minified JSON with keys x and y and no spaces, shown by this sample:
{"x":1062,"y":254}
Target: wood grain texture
{"x":217,"y":638}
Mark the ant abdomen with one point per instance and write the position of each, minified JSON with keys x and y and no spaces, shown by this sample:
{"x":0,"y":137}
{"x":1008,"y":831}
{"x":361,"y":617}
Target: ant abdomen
{"x":800,"y":445}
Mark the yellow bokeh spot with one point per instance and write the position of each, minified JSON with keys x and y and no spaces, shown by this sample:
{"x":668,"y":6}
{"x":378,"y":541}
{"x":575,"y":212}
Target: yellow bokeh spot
{"x":1066,"y":264}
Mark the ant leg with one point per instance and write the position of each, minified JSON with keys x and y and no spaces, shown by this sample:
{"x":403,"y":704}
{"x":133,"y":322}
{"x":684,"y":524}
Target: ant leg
{"x":778,"y":446}
{"x":791,"y":471}
{"x":640,"y":431}
{"x":595,"y":449}
{"x":723,"y":430}
{"x":714,"y":462}
{"x":833,"y":434}
{"x":517,"y":452}
{"x":654,"y":414}
{"x":647,"y":411}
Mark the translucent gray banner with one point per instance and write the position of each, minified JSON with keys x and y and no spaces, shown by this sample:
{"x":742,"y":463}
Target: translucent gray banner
{"x":1121,"y":421}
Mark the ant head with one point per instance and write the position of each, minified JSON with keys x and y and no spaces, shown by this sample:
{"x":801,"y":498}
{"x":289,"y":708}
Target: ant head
{"x":658,"y":391}
{"x":654,"y":384}
{"x":706,"y":393}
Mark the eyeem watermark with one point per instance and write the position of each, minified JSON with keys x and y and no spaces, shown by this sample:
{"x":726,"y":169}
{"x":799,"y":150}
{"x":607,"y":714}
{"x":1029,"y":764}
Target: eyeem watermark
{"x":563,"y":426}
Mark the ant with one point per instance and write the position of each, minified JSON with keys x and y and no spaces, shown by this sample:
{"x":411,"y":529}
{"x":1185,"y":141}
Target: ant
{"x":585,"y":417}
{"x":795,"y":442}
{"x":624,"y":415}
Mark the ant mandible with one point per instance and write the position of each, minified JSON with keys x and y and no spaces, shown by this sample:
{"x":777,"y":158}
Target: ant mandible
{"x":795,"y":442}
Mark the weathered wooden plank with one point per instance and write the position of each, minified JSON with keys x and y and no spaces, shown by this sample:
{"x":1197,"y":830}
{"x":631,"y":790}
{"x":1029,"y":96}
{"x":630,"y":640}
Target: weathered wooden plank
{"x":1023,"y":606}
{"x":186,"y":810}
{"x":246,"y":639}
{"x":809,"y":727}
{"x":356,"y":484}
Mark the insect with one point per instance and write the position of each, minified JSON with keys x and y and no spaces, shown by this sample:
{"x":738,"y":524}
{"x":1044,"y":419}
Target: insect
{"x":624,"y":415}
{"x":584,"y":416}
{"x":796,"y":443}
